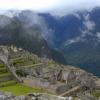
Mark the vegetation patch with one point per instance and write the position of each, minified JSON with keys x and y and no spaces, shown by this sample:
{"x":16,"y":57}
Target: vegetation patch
{"x":19,"y":89}
{"x":96,"y":93}
{"x":1,"y":65}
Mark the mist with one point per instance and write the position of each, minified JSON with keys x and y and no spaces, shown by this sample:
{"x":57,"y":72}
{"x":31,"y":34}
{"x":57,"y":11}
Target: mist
{"x":55,"y":7}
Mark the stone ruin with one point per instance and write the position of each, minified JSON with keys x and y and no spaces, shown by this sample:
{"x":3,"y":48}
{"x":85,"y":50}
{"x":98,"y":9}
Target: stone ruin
{"x":60,"y":79}
{"x":32,"y":96}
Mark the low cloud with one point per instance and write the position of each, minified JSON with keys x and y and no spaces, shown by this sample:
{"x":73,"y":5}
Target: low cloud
{"x":4,"y":21}
{"x":55,"y":7}
{"x":98,"y":36}
{"x":74,"y":40}
{"x":90,"y":25}
{"x":72,"y":6}
{"x":31,"y":19}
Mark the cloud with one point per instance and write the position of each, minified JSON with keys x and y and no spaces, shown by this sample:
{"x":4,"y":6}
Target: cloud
{"x":72,"y":6}
{"x":77,"y":15}
{"x":56,"y":7}
{"x":31,"y":19}
{"x":90,"y":25}
{"x":4,"y":21}
{"x":36,"y":5}
{"x":74,"y":40}
{"x":98,"y":36}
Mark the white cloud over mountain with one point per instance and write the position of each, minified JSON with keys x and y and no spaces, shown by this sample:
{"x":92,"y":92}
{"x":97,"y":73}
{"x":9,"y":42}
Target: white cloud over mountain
{"x":55,"y":6}
{"x":90,"y":25}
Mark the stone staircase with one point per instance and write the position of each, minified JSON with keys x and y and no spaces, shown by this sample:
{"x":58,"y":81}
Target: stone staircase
{"x":6,"y":77}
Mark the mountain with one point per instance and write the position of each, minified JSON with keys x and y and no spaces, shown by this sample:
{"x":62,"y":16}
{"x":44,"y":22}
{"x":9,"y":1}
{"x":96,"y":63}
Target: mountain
{"x":23,"y":29}
{"x":77,"y":36}
{"x":73,"y":38}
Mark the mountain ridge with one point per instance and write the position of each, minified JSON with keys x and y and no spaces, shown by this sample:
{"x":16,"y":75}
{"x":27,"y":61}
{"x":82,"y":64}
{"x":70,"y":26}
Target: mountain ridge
{"x":76,"y":36}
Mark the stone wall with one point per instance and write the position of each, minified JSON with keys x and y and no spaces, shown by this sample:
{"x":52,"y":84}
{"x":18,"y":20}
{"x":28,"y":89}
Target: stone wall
{"x":34,"y":82}
{"x":33,"y":96}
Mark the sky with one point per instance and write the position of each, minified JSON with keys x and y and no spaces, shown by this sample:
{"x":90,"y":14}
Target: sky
{"x":49,"y":5}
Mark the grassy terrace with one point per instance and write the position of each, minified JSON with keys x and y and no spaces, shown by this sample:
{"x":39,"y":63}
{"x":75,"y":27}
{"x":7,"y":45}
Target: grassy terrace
{"x":7,"y":83}
{"x":12,"y":86}
{"x":5,"y":74}
{"x":32,"y":65}
{"x":19,"y":89}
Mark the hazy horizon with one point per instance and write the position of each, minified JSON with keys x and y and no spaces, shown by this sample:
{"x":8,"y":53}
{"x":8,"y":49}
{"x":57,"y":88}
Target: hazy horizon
{"x":49,"y":6}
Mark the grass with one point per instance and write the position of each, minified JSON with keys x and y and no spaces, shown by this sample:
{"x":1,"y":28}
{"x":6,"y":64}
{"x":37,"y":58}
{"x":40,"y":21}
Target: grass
{"x":96,"y":93}
{"x":19,"y":89}
{"x":6,"y":83}
{"x":51,"y":64}
{"x":18,"y":60}
{"x":5,"y":74}
{"x":21,"y":61}
{"x":32,"y":65}
{"x":1,"y":65}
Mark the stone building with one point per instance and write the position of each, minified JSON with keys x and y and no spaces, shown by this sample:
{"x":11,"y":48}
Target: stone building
{"x":69,"y":77}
